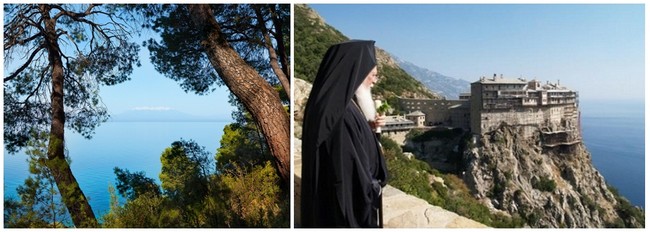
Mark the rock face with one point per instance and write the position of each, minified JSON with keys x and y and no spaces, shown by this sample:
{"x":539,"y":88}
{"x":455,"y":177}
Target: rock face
{"x":549,"y":187}
{"x":384,"y":58}
{"x":301,"y":93}
{"x":514,"y":174}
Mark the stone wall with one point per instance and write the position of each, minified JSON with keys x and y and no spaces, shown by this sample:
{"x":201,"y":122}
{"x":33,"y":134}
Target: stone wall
{"x":530,"y":118}
{"x":453,"y":113}
{"x":405,"y":211}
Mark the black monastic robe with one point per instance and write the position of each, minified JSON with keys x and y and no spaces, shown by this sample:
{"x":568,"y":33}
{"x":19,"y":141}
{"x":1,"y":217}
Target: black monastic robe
{"x":343,"y":169}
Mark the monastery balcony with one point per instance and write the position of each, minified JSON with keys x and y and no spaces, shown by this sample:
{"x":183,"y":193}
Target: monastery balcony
{"x":512,"y":94}
{"x":562,"y":143}
{"x":525,"y":102}
{"x":562,"y":96}
{"x":546,"y":132}
{"x":559,"y":137}
{"x":397,"y":127}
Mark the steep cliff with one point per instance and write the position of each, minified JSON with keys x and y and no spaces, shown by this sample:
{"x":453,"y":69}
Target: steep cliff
{"x":548,"y":186}
{"x":545,"y":185}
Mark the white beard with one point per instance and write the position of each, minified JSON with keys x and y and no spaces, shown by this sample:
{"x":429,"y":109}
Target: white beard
{"x":367,"y":105}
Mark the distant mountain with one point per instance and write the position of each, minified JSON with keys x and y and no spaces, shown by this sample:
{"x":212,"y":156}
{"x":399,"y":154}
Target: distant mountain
{"x":448,"y":87}
{"x":157,"y":115}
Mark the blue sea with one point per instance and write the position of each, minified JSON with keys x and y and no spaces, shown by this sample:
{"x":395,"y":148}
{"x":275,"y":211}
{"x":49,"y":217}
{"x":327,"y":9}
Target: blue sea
{"x":614,"y":133}
{"x":135,"y":146}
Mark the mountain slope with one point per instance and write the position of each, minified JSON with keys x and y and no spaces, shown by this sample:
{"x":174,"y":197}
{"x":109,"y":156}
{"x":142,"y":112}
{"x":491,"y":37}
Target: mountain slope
{"x":312,"y":38}
{"x":448,"y":87}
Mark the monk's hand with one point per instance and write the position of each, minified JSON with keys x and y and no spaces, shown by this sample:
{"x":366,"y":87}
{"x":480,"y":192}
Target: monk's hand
{"x":380,"y":120}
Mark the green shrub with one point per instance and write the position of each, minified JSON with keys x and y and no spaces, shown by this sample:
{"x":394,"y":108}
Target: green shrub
{"x":534,"y":217}
{"x":408,"y":175}
{"x":497,"y":189}
{"x":545,"y":184}
{"x":414,"y":133}
{"x":438,"y":133}
{"x":627,"y":212}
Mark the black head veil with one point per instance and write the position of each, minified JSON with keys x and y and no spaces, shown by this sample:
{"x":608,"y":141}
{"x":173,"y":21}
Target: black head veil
{"x":342,"y":70}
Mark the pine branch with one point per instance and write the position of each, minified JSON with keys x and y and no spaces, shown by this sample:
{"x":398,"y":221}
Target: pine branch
{"x":25,"y":65}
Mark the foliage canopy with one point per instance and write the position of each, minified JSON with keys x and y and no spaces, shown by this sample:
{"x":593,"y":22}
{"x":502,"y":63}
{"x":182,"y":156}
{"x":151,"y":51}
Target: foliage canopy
{"x":93,"y":43}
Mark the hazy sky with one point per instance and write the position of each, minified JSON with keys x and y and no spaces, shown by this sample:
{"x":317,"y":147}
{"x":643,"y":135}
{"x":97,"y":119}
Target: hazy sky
{"x":597,"y":50}
{"x":151,"y":90}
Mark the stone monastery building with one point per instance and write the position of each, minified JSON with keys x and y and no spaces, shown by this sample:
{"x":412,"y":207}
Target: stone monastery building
{"x":530,"y":105}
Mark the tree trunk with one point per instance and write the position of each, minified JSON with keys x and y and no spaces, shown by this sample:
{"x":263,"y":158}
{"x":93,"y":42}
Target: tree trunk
{"x":273,"y":56}
{"x":279,"y":38}
{"x":251,"y":89}
{"x":72,"y":196}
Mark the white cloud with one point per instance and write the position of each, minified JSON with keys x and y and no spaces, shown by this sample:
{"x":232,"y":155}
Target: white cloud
{"x":152,"y":108}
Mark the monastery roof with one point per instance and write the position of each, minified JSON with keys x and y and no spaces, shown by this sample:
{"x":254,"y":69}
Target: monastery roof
{"x":397,"y":119}
{"x":554,"y":87}
{"x":499,"y":80}
{"x":416,"y":113}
